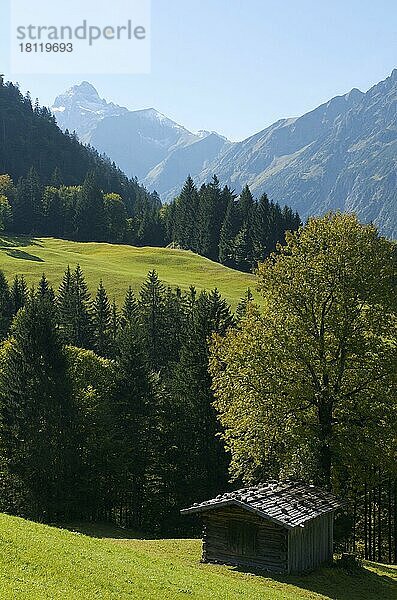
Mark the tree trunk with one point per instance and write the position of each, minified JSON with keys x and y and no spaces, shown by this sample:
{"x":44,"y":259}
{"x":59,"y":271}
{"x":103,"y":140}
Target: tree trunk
{"x":325,"y":435}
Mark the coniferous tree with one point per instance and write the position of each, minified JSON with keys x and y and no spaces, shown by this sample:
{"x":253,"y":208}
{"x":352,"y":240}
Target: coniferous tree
{"x":81,"y":310}
{"x":243,"y":243}
{"x":210,"y":215}
{"x":53,"y":212}
{"x":243,"y":249}
{"x":245,"y":304}
{"x":56,"y":178}
{"x":5,"y":306}
{"x":65,"y":305}
{"x":131,"y":420}
{"x":27,"y":205}
{"x":200,"y":468}
{"x":19,"y":293}
{"x":74,"y":309}
{"x":102,"y":322}
{"x":90,"y":216}
{"x":114,"y":329}
{"x":229,"y":231}
{"x":152,"y":319}
{"x":174,"y":323}
{"x":130,"y":310}
{"x":246,"y":205}
{"x":36,"y":417}
{"x":184,"y":218}
{"x":261,"y":230}
{"x":44,"y":290}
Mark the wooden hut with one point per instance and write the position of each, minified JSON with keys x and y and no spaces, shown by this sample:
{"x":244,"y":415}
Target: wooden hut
{"x":283,"y":527}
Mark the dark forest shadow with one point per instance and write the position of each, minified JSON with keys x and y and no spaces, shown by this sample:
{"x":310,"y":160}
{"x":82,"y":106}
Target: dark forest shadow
{"x":106,"y":530}
{"x":18,"y":241}
{"x":334,"y":582}
{"x":20,"y":254}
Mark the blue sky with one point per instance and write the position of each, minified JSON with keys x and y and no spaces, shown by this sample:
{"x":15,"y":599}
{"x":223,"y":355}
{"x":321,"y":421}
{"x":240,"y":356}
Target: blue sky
{"x":237,"y":66}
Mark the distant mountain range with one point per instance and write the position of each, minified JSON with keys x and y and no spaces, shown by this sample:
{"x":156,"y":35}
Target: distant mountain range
{"x":342,"y":155}
{"x":141,"y":142}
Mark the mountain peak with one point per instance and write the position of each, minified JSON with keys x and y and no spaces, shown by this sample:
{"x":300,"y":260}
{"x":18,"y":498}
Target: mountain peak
{"x":393,"y":75}
{"x":86,"y":88}
{"x":354,"y":95}
{"x":80,"y":108}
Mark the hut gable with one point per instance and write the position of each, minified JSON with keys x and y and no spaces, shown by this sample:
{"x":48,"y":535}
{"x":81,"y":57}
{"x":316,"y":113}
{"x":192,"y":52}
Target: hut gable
{"x":278,"y":526}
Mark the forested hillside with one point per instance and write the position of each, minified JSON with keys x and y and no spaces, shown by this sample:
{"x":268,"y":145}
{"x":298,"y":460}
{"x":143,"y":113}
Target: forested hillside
{"x":53,"y":185}
{"x":38,"y":157}
{"x":98,"y":401}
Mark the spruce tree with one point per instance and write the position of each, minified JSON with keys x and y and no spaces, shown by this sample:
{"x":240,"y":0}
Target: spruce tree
{"x":246,"y":305}
{"x":81,"y":310}
{"x":74,"y":305}
{"x":229,"y":231}
{"x":19,"y":293}
{"x":210,"y":215}
{"x":131,"y":420}
{"x":175,"y":307}
{"x":90,"y":215}
{"x":184,"y":218}
{"x":200,"y":467}
{"x":152,"y":319}
{"x":44,"y":290}
{"x":261,"y":230}
{"x":245,"y":235}
{"x":246,"y":205}
{"x":129,"y":313}
{"x":36,"y":416}
{"x":27,"y":205}
{"x":56,"y":178}
{"x":65,"y":307}
{"x":114,"y":327}
{"x":5,"y":306}
{"x":102,"y":322}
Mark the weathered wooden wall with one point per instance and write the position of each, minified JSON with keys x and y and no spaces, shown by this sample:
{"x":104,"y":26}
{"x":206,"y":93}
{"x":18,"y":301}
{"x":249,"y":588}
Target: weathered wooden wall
{"x":311,"y":545}
{"x":271,"y":546}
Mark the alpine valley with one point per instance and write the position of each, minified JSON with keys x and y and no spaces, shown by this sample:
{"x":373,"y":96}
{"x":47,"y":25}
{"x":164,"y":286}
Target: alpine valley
{"x":341,"y":155}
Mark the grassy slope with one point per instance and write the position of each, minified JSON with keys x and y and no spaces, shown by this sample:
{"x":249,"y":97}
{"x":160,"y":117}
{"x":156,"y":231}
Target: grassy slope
{"x":40,"y":562}
{"x":118,"y":266}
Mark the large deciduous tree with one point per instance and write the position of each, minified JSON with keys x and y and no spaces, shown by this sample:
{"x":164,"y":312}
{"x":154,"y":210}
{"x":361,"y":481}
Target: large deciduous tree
{"x":308,"y":388}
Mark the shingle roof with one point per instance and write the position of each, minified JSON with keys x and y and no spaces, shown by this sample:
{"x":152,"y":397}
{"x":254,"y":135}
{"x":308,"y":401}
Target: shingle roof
{"x":287,"y":503}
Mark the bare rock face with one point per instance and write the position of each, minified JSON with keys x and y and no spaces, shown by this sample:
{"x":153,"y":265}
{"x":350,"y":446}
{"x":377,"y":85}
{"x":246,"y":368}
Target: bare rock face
{"x":342,"y":155}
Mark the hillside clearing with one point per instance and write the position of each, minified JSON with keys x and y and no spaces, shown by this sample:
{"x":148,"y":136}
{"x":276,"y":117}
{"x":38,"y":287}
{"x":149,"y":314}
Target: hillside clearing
{"x":40,"y":562}
{"x":118,"y":265}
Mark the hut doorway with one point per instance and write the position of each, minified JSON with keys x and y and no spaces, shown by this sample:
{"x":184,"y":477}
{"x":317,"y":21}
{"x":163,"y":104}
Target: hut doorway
{"x":242,"y":538}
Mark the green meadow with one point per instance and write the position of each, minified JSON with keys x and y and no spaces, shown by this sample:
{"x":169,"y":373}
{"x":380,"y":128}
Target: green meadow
{"x":39,"y":562}
{"x":118,"y":266}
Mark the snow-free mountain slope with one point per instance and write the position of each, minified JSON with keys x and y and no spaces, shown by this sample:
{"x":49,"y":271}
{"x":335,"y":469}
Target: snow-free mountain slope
{"x":138,"y":140}
{"x":342,"y":155}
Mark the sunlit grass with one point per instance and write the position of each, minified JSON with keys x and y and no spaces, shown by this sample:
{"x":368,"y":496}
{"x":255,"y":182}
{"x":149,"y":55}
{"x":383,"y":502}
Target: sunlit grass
{"x":41,"y":562}
{"x":119,"y":266}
